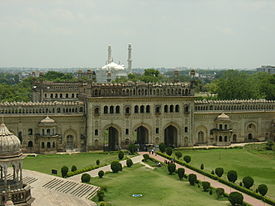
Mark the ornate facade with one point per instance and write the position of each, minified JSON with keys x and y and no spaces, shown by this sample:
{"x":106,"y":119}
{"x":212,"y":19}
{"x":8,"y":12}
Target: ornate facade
{"x":87,"y":116}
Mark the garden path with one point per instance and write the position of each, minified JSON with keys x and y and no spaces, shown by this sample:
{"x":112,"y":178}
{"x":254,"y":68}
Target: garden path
{"x":247,"y":198}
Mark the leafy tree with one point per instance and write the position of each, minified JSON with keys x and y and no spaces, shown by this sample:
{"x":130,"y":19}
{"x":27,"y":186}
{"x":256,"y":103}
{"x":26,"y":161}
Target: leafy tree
{"x":116,"y":166}
{"x":120,"y":155}
{"x":74,"y":168}
{"x":248,"y":182}
{"x":100,"y":195}
{"x":129,"y":163}
{"x":181,"y":172}
{"x":187,"y":158}
{"x":162,"y":147}
{"x":232,"y":176}
{"x":169,"y":151}
{"x":171,"y":168}
{"x":205,"y":186}
{"x":269,"y":145}
{"x":178,"y":154}
{"x":219,"y":171}
{"x":192,"y":178}
{"x":64,"y":171}
{"x":235,"y":198}
{"x":219,"y":192}
{"x":97,"y":162}
{"x":146,"y":157}
{"x":262,"y":188}
{"x":132,"y":148}
{"x":85,"y":178}
{"x":101,"y":173}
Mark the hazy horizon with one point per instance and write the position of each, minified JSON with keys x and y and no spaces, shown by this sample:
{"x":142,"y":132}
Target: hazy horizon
{"x":198,"y":34}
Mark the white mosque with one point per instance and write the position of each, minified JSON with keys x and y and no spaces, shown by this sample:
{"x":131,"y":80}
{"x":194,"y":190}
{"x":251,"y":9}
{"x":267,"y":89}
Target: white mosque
{"x":112,"y":70}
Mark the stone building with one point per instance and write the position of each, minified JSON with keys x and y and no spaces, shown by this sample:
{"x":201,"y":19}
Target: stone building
{"x":88,"y":116}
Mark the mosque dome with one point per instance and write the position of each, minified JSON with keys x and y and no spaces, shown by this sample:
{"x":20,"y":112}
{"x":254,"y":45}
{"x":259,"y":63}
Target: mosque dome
{"x":223,"y":117}
{"x":9,"y":143}
{"x":113,"y":66}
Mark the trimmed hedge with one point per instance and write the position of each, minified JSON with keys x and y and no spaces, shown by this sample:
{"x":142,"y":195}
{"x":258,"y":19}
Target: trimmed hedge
{"x":79,"y":171}
{"x":230,"y":184}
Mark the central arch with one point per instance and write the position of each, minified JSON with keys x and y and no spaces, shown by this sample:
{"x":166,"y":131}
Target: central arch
{"x":170,"y":136}
{"x":111,"y":139}
{"x":142,"y":135}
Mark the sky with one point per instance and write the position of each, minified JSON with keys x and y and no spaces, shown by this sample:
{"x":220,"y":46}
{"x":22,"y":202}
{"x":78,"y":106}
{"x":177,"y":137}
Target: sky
{"x":163,"y":33}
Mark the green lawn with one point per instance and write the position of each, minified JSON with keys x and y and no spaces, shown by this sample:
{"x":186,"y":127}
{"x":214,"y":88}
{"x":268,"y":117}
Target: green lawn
{"x":158,"y":189}
{"x":45,"y":163}
{"x":252,"y":161}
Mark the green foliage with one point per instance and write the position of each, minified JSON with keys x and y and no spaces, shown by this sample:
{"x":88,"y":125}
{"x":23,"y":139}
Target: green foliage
{"x":232,"y":176}
{"x":202,"y":166}
{"x":178,"y":154}
{"x":97,"y":162}
{"x":181,"y":172}
{"x":100,"y":195}
{"x":85,"y":178}
{"x":132,"y":148}
{"x":146,"y":157}
{"x":269,"y":145}
{"x":58,"y":76}
{"x":262,"y":188}
{"x":219,"y":171}
{"x":120,"y":155}
{"x":74,"y":168}
{"x":192,"y":178}
{"x":171,"y":168}
{"x":169,"y":151}
{"x":187,"y":158}
{"x":129,"y":163}
{"x":162,"y":147}
{"x":248,"y":182}
{"x":235,"y":198}
{"x":219,"y":192}
{"x":79,"y":171}
{"x":64,"y":171}
{"x":205,"y":186}
{"x":116,"y":166}
{"x":101,"y":173}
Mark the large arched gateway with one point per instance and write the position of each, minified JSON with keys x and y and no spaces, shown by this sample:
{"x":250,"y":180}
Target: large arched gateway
{"x":142,"y":135}
{"x":170,"y":136}
{"x":111,"y":139}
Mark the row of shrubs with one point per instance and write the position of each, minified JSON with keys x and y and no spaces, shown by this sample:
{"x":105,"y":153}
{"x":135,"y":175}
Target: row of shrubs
{"x":212,"y":176}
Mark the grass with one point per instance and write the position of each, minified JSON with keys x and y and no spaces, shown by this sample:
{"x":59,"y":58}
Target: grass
{"x":252,"y":160}
{"x":45,"y":163}
{"x":157,"y":187}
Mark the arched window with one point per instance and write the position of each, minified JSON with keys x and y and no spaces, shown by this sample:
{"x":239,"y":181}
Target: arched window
{"x":117,"y":109}
{"x":136,"y":109}
{"x":201,"y":137}
{"x":67,"y":95}
{"x":177,"y":108}
{"x":97,"y":111}
{"x":60,"y":95}
{"x":186,"y":108}
{"x":171,"y":108}
{"x":111,"y":109}
{"x":48,"y":145}
{"x":105,"y":110}
{"x":225,"y":138}
{"x":53,"y":144}
{"x":96,"y":132}
{"x":165,"y":108}
{"x":141,"y":109}
{"x":148,"y":109}
{"x":48,"y":131}
{"x":220,"y":138}
{"x":72,"y":95}
{"x":30,"y":131}
{"x":42,"y":145}
{"x":30,"y":144}
{"x":127,"y":110}
{"x":234,"y":138}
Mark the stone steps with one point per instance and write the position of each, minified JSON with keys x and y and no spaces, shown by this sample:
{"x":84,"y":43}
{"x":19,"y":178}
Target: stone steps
{"x":29,"y":180}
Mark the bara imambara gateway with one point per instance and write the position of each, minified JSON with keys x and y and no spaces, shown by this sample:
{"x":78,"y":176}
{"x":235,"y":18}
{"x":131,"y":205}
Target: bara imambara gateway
{"x":83,"y":116}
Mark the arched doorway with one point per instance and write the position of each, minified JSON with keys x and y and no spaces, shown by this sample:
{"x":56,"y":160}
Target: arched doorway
{"x":200,"y":137}
{"x":170,"y":136}
{"x":111,"y":139}
{"x":70,"y":142}
{"x":142,"y":135}
{"x":250,"y":137}
{"x":30,"y":144}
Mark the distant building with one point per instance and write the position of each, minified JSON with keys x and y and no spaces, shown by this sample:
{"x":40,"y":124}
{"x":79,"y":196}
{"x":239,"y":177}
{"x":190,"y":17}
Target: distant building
{"x":268,"y":69}
{"x":88,"y":75}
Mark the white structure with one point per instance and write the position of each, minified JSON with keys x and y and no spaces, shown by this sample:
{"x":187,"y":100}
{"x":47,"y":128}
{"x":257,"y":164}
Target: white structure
{"x":111,"y":71}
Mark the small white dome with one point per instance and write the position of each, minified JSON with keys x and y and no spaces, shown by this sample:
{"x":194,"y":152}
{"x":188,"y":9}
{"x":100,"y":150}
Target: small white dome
{"x":9,"y":143}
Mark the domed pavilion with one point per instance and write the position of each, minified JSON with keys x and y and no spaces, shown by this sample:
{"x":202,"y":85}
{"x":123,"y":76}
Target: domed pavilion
{"x":12,"y":189}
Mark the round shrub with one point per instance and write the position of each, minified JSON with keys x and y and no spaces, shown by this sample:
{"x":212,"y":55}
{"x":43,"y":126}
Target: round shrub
{"x":219,"y":171}
{"x":262,"y":189}
{"x":210,"y":192}
{"x":120,"y":155}
{"x":85,"y":178}
{"x":181,"y":172}
{"x":248,"y":182}
{"x":169,"y":151}
{"x":178,"y":154}
{"x":219,"y":192}
{"x":116,"y":166}
{"x":235,"y":198}
{"x":162,"y":147}
{"x":132,"y":148}
{"x":97,"y":162}
{"x":202,"y":166}
{"x":171,"y":168}
{"x":100,"y":195}
{"x":64,"y":171}
{"x":232,"y":176}
{"x":192,"y":178}
{"x":146,"y":157}
{"x":187,"y":158}
{"x":101,"y":173}
{"x":74,"y":168}
{"x":129,"y":163}
{"x":205,"y":186}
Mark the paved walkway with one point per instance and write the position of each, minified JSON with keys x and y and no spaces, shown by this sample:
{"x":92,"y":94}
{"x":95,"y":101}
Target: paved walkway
{"x":249,"y":199}
{"x":94,"y":173}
